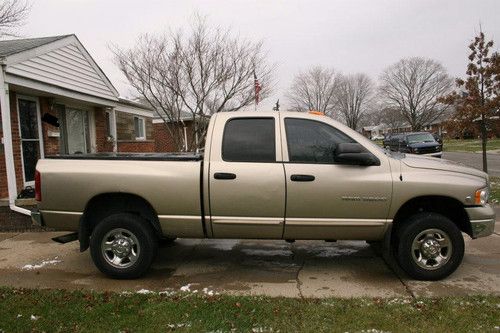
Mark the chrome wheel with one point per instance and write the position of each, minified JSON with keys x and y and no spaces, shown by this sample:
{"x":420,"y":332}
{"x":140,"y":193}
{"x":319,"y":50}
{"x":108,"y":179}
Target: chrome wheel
{"x":432,"y":249}
{"x":120,"y":248}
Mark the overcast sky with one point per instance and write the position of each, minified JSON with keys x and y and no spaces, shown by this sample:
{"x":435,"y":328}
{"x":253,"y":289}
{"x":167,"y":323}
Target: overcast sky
{"x":350,"y":36}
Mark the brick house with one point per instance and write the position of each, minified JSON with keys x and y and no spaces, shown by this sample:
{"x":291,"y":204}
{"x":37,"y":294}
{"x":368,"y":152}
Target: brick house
{"x":56,"y":100}
{"x":163,"y":139}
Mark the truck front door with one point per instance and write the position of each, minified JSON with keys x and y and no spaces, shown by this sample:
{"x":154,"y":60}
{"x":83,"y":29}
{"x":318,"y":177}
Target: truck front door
{"x":247,"y":180}
{"x":325,"y":199}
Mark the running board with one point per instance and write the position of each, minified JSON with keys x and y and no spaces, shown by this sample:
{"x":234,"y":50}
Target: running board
{"x":66,"y":238}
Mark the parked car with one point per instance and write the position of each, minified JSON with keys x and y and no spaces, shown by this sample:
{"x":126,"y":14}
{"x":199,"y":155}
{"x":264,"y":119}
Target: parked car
{"x":421,"y":143}
{"x":387,"y":140}
{"x":266,"y":175}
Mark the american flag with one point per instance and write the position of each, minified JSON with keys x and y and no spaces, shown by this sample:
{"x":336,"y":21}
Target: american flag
{"x":257,"y":88}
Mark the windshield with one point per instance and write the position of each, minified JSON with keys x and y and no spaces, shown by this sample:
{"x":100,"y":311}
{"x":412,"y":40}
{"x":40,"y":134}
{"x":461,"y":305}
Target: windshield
{"x":421,"y":137}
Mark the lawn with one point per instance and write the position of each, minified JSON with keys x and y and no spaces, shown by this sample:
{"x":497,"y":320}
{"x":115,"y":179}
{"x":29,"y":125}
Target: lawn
{"x":495,"y":189}
{"x":24,"y":310}
{"x":469,"y":145}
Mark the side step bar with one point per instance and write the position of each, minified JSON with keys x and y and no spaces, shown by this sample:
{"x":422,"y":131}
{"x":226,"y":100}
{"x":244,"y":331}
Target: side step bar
{"x":66,"y":238}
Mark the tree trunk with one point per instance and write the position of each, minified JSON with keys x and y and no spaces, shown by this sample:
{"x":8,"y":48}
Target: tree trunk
{"x":484,"y":138}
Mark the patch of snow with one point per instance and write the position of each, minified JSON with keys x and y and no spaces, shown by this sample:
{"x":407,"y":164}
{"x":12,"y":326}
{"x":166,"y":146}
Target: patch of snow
{"x":33,"y":317}
{"x":186,"y":287}
{"x":167,"y":293}
{"x":144,"y":292}
{"x":40,"y":265}
{"x":19,"y":315}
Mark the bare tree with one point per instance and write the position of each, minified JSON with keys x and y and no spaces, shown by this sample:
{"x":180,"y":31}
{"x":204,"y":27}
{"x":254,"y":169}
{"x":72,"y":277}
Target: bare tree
{"x":413,"y":86}
{"x":314,"y":89}
{"x":353,"y":96}
{"x":202,"y":73}
{"x":13,"y":14}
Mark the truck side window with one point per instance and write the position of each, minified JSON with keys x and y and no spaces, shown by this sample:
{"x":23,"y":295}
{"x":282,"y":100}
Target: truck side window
{"x":311,"y":141}
{"x":249,"y":140}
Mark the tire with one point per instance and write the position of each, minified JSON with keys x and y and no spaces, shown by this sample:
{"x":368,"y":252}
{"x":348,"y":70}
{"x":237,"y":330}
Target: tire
{"x":429,"y":246}
{"x":123,"y":246}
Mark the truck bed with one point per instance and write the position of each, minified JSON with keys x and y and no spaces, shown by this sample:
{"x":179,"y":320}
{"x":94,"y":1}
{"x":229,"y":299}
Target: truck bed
{"x":131,"y":156}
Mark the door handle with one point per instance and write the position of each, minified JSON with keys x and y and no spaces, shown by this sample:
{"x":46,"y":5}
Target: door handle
{"x":224,"y":175}
{"x":302,"y":178}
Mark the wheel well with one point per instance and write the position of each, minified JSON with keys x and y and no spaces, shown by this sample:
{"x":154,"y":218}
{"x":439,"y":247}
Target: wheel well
{"x":106,"y":204}
{"x":449,"y":207}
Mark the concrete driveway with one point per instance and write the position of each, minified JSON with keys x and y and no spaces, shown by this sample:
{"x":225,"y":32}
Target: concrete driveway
{"x":274,"y":268}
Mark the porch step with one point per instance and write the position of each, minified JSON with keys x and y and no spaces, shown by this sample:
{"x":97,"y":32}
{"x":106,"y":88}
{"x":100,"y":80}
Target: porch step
{"x":26,"y":202}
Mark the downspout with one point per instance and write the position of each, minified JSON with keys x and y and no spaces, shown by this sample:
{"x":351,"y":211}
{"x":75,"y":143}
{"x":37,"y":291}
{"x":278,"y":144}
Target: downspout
{"x":7,"y":143}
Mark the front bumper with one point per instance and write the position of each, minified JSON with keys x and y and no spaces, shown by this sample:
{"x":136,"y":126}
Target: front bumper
{"x":36,"y":218}
{"x":482,"y":220}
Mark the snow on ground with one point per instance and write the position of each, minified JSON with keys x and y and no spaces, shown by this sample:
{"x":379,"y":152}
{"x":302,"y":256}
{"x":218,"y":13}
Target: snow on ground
{"x":40,"y":265}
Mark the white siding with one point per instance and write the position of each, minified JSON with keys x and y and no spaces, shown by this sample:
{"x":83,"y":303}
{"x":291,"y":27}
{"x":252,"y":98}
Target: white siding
{"x":66,"y":67}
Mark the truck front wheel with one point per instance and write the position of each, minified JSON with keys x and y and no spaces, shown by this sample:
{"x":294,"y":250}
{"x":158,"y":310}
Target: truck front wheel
{"x":430,"y":246}
{"x":123,"y":246}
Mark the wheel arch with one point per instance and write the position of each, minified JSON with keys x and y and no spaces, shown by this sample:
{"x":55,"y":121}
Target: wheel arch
{"x":105,"y":204}
{"x":447,"y":206}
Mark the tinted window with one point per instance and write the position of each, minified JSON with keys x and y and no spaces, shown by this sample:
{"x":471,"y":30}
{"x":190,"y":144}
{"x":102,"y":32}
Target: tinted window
{"x":249,"y":140}
{"x":312,"y":141}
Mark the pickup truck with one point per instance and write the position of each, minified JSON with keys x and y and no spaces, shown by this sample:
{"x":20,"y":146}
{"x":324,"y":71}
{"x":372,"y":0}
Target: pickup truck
{"x":266,"y":175}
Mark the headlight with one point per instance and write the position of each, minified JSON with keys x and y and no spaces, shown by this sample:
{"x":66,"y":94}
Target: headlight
{"x":481,"y":196}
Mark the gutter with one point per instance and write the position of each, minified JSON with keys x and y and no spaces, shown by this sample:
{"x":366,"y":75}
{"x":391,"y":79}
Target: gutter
{"x":7,"y":142}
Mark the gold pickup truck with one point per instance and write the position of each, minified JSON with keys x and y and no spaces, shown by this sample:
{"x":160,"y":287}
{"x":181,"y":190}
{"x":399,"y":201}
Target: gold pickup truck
{"x":266,"y":175}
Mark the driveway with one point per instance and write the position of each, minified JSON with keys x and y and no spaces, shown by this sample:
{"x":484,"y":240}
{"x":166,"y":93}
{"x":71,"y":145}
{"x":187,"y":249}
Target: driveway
{"x":246,"y":267}
{"x":475,"y":160}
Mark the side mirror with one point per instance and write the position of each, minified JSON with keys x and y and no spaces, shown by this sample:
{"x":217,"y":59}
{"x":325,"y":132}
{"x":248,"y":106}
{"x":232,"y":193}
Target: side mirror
{"x":354,"y":154}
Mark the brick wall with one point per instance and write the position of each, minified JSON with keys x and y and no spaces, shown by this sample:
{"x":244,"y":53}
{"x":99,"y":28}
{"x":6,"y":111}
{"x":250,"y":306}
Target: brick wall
{"x":163,"y":139}
{"x":146,"y":146}
{"x":16,"y":141}
{"x":101,"y":132}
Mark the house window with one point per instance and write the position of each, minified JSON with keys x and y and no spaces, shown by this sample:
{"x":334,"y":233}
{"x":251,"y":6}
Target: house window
{"x":139,"y":128}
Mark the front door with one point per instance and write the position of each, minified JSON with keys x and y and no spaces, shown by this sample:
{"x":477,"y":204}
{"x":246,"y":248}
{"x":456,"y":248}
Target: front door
{"x":30,"y":133}
{"x":247,"y":181}
{"x":77,"y":125}
{"x":328,"y":200}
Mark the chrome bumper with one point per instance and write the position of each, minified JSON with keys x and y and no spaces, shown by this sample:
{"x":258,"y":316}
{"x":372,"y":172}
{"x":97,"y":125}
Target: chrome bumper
{"x":36,"y":218}
{"x":482,"y":220}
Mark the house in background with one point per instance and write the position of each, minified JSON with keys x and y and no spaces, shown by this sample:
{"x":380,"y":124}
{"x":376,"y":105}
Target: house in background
{"x":56,"y":100}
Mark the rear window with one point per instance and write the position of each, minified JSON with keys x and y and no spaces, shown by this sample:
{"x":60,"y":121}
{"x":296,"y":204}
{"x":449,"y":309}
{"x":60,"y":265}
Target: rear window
{"x":249,"y":140}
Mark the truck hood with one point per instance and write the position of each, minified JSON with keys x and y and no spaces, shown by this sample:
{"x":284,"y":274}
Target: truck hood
{"x":425,"y":162}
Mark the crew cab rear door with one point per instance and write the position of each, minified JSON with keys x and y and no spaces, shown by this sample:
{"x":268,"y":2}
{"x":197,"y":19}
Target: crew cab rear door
{"x":246,"y":177}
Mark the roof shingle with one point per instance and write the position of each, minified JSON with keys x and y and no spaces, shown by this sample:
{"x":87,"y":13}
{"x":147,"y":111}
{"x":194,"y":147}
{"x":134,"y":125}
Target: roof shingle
{"x":13,"y":46}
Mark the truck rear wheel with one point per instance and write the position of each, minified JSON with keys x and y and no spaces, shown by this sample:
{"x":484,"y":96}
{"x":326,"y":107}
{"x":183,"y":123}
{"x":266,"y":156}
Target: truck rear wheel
{"x":123,"y":246}
{"x":430,"y":246}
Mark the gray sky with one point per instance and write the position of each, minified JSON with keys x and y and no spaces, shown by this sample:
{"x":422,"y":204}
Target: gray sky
{"x":350,"y":36}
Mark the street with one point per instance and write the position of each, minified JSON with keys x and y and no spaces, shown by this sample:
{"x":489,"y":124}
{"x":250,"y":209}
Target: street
{"x":476,"y":160}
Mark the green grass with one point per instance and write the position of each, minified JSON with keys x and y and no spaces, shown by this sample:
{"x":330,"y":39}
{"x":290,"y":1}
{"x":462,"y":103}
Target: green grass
{"x":495,"y":189}
{"x":469,"y":145}
{"x":77,"y":311}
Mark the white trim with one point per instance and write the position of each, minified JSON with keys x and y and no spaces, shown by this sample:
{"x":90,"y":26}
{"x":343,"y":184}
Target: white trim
{"x":7,"y":138}
{"x":40,"y":132}
{"x":133,"y":110}
{"x":112,"y":123}
{"x":140,"y":138}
